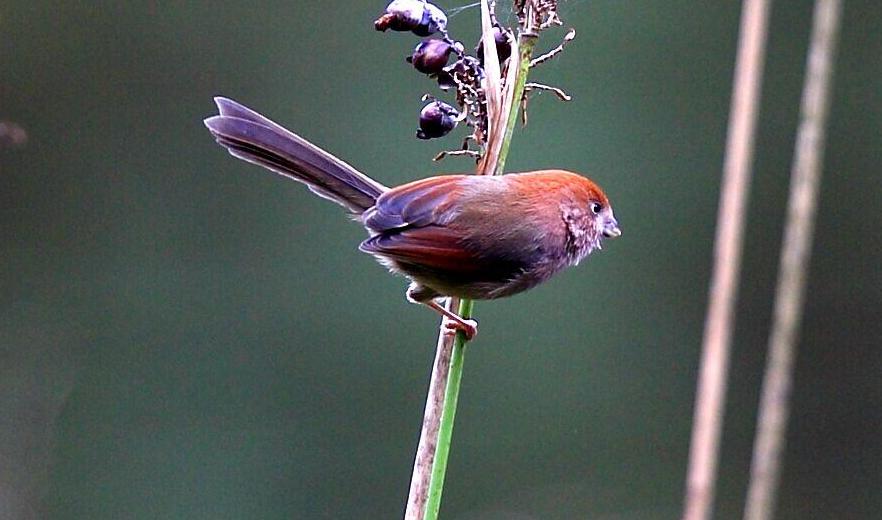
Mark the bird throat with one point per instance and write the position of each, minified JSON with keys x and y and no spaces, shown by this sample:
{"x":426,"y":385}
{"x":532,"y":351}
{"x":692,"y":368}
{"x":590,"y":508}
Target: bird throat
{"x":582,"y":234}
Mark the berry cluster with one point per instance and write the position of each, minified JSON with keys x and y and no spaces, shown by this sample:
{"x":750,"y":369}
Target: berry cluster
{"x":466,"y":74}
{"x":432,"y":56}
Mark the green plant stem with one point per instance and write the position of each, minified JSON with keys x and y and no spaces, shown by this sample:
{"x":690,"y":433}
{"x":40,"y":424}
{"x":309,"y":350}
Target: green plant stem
{"x":448,"y":413}
{"x":525,"y":45}
{"x":454,"y":376}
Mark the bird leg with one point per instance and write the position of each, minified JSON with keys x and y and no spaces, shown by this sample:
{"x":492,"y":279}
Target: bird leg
{"x":452,"y":322}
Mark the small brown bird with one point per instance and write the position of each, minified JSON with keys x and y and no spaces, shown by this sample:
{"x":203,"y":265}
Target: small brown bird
{"x":471,"y":236}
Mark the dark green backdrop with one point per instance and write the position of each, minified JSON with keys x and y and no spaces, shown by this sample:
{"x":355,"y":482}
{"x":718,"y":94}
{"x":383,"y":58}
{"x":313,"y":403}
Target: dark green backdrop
{"x":185,"y":336}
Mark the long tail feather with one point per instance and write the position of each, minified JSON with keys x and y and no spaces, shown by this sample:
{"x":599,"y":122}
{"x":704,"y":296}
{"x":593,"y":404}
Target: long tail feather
{"x":254,"y":138}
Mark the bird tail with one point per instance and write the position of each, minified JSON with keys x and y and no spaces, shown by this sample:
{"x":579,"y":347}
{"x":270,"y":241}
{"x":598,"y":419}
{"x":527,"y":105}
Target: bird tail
{"x":254,"y":138}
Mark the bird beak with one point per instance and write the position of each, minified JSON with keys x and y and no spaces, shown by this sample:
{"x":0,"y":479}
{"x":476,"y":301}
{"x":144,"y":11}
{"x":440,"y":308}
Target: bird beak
{"x":611,"y":228}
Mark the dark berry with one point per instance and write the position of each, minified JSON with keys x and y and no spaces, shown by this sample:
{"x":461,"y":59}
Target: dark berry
{"x":503,"y":45}
{"x":430,"y":56}
{"x":436,"y":120}
{"x":445,"y":79}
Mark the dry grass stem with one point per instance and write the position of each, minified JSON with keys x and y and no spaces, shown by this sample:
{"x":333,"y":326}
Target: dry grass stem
{"x":425,"y":452}
{"x":795,"y":253}
{"x":711,"y":392}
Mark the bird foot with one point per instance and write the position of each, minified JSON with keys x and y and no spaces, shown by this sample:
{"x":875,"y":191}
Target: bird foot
{"x":469,"y":328}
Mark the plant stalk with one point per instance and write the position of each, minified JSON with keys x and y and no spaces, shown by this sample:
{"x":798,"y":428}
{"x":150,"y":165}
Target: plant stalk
{"x":710,"y":396}
{"x":768,"y":450}
{"x":454,"y":373}
{"x":425,"y":452}
{"x":526,"y":42}
{"x":448,"y":414}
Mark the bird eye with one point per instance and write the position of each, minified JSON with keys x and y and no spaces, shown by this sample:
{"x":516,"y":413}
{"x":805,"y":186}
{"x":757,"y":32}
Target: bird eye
{"x":596,"y":207}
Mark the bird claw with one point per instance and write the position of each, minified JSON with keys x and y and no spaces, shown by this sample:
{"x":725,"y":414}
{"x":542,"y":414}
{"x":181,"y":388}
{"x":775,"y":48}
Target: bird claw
{"x":469,"y":328}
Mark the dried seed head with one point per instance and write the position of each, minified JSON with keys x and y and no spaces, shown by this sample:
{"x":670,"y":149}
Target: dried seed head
{"x":433,"y":20}
{"x":418,"y":16}
{"x":465,"y":75}
{"x":401,"y":15}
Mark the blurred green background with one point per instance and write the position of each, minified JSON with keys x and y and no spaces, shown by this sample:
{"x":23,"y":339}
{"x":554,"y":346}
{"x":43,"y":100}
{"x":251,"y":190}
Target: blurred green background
{"x":183,"y":335}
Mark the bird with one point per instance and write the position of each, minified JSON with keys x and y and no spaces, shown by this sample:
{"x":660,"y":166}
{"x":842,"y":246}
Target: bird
{"x":469,"y":236}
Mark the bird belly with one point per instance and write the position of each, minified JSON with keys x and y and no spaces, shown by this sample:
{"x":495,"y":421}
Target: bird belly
{"x":500,"y":280}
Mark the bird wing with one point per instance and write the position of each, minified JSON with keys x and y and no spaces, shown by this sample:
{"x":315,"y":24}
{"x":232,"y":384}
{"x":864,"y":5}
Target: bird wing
{"x":416,"y":204}
{"x":412,"y":224}
{"x":431,"y":247}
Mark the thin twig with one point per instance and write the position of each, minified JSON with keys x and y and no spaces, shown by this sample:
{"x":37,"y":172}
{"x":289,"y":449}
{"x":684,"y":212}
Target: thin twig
{"x":711,"y":391}
{"x":793,"y":270}
{"x":453,"y":153}
{"x":555,"y":51}
{"x":561,"y":95}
